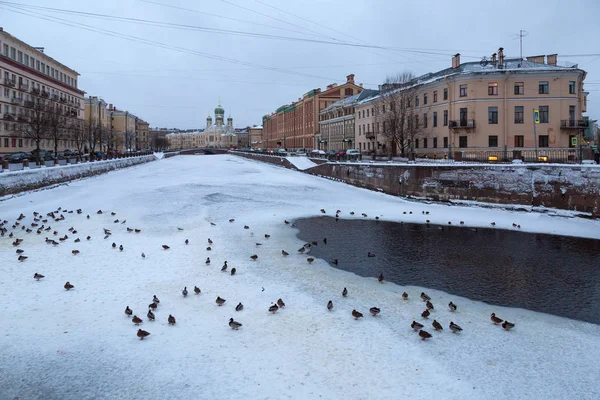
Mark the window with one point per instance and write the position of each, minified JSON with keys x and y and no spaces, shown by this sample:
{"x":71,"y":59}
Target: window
{"x":493,"y":89}
{"x":425,"y":143}
{"x":13,"y":53}
{"x":572,"y":114}
{"x":493,"y":141}
{"x":463,"y":91}
{"x":348,"y":92}
{"x":20,"y":142}
{"x":463,"y":116}
{"x":543,"y":87}
{"x":435,"y":119}
{"x":383,"y":108}
{"x":519,"y":88}
{"x":445,"y":142}
{"x":519,"y":141}
{"x":5,"y":50}
{"x":20,"y":57}
{"x":519,"y":111}
{"x":26,"y":60}
{"x":5,"y":142}
{"x":445,"y":118}
{"x":571,"y":87}
{"x":435,"y":96}
{"x":425,"y":96}
{"x":445,"y":93}
{"x":358,"y":115}
{"x":544,"y":114}
{"x":425,"y":120}
{"x":417,"y":121}
{"x":37,"y":64}
{"x":373,"y":111}
{"x":462,"y":141}
{"x":359,"y":130}
{"x":416,"y":101}
{"x":416,"y":143}
{"x":435,"y":143}
{"x":367,"y":113}
{"x":543,"y":141}
{"x":363,"y":113}
{"x":492,"y":115}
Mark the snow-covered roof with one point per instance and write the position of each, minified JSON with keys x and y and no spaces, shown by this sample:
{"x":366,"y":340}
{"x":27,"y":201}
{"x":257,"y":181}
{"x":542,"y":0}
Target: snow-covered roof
{"x":348,"y":101}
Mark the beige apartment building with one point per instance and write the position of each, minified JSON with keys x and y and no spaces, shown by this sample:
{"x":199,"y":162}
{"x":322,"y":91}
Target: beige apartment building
{"x":123,"y":129}
{"x":30,"y":79}
{"x":487,"y":105}
{"x":96,"y":118}
{"x":141,"y":133}
{"x":255,"y":137}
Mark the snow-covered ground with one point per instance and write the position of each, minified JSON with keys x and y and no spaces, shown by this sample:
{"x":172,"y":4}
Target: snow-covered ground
{"x":77,"y":344}
{"x":301,"y":162}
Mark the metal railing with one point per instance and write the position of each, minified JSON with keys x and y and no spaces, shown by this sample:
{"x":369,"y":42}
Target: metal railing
{"x":9,"y":82}
{"x":574,"y":123}
{"x":541,"y":155}
{"x":462,"y":123}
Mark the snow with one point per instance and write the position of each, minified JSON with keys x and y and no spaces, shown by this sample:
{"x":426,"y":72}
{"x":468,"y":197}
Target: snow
{"x":79,"y":344}
{"x":301,"y":162}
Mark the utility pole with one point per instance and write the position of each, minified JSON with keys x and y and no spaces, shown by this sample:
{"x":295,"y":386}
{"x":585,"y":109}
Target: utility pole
{"x":536,"y":120}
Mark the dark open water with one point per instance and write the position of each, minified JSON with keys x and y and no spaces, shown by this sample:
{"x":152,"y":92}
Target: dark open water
{"x":552,"y":274}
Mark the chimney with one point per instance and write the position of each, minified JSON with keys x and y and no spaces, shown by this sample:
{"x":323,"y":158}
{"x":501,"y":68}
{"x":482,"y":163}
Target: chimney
{"x":456,"y":61}
{"x":536,"y":59}
{"x":350,"y":78}
{"x":552,"y":59}
{"x":501,"y":57}
{"x":494,"y":58}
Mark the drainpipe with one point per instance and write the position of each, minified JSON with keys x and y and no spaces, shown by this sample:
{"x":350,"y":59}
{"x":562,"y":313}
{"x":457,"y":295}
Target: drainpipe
{"x":505,"y":117}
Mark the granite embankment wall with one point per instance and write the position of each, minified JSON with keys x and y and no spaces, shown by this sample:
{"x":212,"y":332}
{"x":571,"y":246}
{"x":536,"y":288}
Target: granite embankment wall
{"x":31,"y":179}
{"x":565,"y":187}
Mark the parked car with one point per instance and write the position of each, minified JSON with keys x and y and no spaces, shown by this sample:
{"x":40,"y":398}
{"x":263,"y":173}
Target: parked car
{"x":317,"y":153}
{"x":99,"y":155}
{"x":352,"y":152}
{"x":330,"y":153}
{"x":300,"y":152}
{"x":340,"y":153}
{"x":281,"y":152}
{"x":68,"y":153}
{"x":18,"y":157}
{"x":44,"y":155}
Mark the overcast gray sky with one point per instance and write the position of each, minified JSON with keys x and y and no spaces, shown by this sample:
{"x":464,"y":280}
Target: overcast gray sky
{"x":177,"y":79}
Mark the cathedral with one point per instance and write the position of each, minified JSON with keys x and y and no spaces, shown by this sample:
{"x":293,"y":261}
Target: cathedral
{"x":220,"y":134}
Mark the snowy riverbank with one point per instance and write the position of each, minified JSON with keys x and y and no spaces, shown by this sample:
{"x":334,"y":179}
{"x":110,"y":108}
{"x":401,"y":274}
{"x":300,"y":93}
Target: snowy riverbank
{"x":79,"y":344}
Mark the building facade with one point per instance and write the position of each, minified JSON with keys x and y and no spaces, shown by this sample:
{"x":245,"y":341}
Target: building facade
{"x":337,"y":122}
{"x":30,"y":80}
{"x":123,"y":129}
{"x":256,"y":134}
{"x":141,"y":134}
{"x":488,"y":106}
{"x":296,"y":125}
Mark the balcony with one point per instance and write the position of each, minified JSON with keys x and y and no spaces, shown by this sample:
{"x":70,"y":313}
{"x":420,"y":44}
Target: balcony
{"x":16,"y":100}
{"x":462,"y":123}
{"x":9,"y":82}
{"x":45,"y":94}
{"x":29,"y":104}
{"x":24,"y":86}
{"x":35,"y":90}
{"x":55,"y":97}
{"x":574,"y":124}
{"x":63,"y":99}
{"x":370,"y":135}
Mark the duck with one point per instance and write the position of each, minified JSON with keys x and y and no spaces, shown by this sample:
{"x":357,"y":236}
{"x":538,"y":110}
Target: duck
{"x":345,"y":292}
{"x":196,"y":290}
{"x":258,"y":244}
{"x":233,"y":271}
{"x":179,"y":229}
{"x":113,"y":213}
{"x":334,"y":261}
{"x":187,"y":241}
{"x":239,"y":307}
{"x":267,"y":236}
{"x":208,"y":248}
{"x":171,"y":320}
{"x":424,"y":334}
{"x":213,"y":224}
{"x":121,"y":247}
{"x":455,"y":328}
{"x":136,"y":230}
{"x":37,"y":276}
{"x":164,"y":246}
{"x":380,"y":279}
{"x":301,"y":249}
{"x":22,"y":258}
{"x":136,"y":320}
{"x":310,"y":260}
{"x":143,"y":255}
{"x":437,"y":326}
{"x":220,"y":301}
{"x":142,"y":334}
{"x":155,"y":300}
{"x":150,"y":315}
{"x":286,"y":222}
{"x":424,"y":297}
{"x":207,"y":262}
{"x":224,"y":267}
{"x":425,"y":314}
{"x":234,"y":324}
{"x":254,"y":257}
{"x":429,"y":305}
{"x":452,"y":306}
{"x":356,"y":314}
{"x":462,"y":222}
{"x":323,"y":211}
{"x":404,"y":296}
{"x":508,"y":325}
{"x":210,"y":241}
{"x":232,"y":220}
{"x":273,"y":308}
{"x":364,"y":215}
{"x":153,"y":306}
{"x":376,"y":218}
{"x":129,"y":229}
{"x":114,"y":245}
{"x":374,"y":311}
{"x":280,"y":303}
{"x":184,"y":291}
{"x":99,"y":212}
{"x":330,"y":305}
{"x":284,"y":253}
{"x":128,"y":311}
{"x":246,"y":227}
{"x":493,"y":224}
{"x":495,"y":319}
{"x":371,"y":254}
{"x":116,"y":221}
{"x":68,"y":286}
{"x":416,"y":326}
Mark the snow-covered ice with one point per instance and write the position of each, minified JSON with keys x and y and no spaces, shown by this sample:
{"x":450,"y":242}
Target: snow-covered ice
{"x":78,"y":344}
{"x":301,"y":162}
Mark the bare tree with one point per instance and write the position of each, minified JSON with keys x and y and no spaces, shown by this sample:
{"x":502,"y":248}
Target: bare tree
{"x":32,"y":123}
{"x":129,"y":141}
{"x":78,"y":134}
{"x":57,"y":124}
{"x":160,"y":143}
{"x":395,"y":111}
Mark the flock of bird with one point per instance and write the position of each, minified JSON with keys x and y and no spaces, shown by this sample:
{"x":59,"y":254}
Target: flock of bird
{"x":41,"y":224}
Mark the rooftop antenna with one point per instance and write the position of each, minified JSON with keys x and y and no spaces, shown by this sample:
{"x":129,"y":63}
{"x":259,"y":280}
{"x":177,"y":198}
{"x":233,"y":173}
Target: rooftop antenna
{"x":522,"y":33}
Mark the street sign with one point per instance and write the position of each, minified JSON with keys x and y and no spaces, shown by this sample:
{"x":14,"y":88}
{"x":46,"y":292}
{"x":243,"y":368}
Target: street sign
{"x":536,"y":116}
{"x":573,"y":141}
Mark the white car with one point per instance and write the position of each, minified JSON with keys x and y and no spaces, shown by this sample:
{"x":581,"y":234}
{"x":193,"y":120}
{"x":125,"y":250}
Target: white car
{"x":300,"y":152}
{"x":352,"y":152}
{"x":317,"y":153}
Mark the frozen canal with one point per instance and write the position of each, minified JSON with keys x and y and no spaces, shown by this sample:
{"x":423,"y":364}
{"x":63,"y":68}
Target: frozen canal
{"x":77,"y":344}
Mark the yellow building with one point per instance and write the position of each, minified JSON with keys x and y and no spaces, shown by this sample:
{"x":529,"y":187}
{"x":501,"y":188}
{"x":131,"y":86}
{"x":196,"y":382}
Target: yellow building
{"x":123,"y":129}
{"x":142,"y":128}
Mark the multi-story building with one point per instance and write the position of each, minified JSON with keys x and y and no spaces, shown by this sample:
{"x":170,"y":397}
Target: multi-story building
{"x":487,"y":105}
{"x":296,"y":125}
{"x":96,"y":118}
{"x":141,"y":134}
{"x":255,"y":139}
{"x":336,"y":125}
{"x":29,"y":81}
{"x":123,"y":128}
{"x":243,"y":138}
